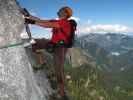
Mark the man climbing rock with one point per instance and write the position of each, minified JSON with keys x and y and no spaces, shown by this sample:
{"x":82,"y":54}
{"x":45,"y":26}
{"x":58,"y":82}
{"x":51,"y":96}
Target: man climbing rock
{"x":59,"y":43}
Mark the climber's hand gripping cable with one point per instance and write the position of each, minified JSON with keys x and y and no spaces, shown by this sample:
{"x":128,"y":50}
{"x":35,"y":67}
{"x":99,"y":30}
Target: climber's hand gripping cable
{"x":40,"y":22}
{"x":25,"y":12}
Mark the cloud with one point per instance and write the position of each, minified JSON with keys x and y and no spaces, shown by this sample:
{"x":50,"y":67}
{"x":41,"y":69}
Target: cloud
{"x":131,"y":29}
{"x":88,"y":27}
{"x":109,"y":28}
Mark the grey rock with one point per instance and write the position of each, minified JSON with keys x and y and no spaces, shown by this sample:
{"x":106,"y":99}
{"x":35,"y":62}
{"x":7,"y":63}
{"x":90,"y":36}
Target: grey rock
{"x":17,"y":80}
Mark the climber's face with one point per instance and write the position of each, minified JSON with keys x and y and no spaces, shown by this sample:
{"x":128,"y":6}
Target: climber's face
{"x":62,"y":13}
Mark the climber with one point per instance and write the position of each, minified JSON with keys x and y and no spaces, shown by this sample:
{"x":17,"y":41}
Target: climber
{"x":60,"y":42}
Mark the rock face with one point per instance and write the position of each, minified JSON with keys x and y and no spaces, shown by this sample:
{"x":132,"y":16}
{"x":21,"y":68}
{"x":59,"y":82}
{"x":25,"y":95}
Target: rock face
{"x":77,"y":57}
{"x":17,"y":80}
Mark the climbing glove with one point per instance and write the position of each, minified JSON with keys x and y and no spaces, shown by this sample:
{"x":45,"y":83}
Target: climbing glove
{"x":29,"y":21}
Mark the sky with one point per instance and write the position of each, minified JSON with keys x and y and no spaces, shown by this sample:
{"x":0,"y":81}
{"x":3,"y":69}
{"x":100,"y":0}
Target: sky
{"x":93,"y":16}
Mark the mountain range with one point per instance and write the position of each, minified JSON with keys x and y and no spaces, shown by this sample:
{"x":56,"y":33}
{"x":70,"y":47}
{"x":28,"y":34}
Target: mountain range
{"x":113,"y":54}
{"x":111,"y":42}
{"x":108,"y":49}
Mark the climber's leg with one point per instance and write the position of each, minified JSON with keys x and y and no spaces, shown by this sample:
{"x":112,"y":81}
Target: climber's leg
{"x":40,"y":57}
{"x":40,"y":44}
{"x":59,"y":56}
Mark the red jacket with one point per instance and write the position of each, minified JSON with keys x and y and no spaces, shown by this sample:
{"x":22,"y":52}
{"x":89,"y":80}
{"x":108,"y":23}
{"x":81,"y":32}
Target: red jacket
{"x":62,"y":33}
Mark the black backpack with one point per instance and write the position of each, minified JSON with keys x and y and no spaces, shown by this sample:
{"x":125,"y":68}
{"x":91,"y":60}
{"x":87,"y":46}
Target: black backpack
{"x":72,"y":36}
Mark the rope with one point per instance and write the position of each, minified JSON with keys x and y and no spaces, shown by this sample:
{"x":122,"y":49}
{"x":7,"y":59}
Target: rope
{"x":11,"y":45}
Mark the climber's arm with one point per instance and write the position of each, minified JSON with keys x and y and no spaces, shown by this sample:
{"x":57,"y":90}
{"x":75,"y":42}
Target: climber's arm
{"x":45,"y":23}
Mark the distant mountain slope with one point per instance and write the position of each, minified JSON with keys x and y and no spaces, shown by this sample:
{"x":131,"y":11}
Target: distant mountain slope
{"x":113,"y":55}
{"x":88,"y":82}
{"x":112,"y":51}
{"x":110,"y":42}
